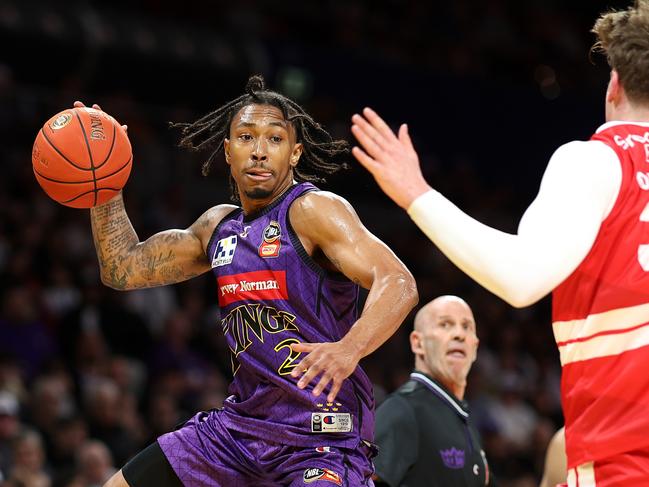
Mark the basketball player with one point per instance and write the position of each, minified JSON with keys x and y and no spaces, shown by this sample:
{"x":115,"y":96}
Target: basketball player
{"x":585,"y":236}
{"x":288,"y":265}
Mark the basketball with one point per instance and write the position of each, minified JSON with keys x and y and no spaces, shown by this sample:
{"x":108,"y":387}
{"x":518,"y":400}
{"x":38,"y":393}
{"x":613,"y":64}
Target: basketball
{"x":82,"y":157}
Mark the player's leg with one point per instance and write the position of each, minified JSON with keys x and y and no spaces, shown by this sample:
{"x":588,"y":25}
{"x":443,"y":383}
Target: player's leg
{"x":149,"y":468}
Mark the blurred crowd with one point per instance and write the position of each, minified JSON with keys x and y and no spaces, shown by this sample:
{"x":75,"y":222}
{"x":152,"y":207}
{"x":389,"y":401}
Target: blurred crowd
{"x":88,"y":375}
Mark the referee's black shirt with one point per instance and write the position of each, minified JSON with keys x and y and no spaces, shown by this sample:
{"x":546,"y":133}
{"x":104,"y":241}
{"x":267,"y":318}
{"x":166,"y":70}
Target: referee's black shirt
{"x":425,"y":438}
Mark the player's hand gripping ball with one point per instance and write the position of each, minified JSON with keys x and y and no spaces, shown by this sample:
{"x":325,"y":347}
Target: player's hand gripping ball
{"x":82,"y":157}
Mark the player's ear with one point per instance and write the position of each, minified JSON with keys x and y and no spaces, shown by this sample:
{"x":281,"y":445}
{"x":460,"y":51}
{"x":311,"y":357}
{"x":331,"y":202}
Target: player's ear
{"x":416,"y":344}
{"x":295,"y":155}
{"x":614,"y":88}
{"x":226,"y":149}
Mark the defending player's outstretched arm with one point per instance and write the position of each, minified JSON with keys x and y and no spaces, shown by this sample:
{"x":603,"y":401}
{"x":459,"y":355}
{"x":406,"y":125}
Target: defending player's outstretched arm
{"x":327,"y":223}
{"x":579,"y":188}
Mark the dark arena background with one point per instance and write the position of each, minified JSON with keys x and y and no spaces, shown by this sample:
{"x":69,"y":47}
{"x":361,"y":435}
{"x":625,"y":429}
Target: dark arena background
{"x":489,"y":89}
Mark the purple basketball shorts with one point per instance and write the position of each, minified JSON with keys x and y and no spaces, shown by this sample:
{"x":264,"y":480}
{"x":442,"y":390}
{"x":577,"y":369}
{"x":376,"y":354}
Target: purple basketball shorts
{"x":205,"y":453}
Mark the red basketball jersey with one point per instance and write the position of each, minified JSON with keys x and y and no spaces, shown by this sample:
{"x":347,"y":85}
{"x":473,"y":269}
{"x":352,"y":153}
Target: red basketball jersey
{"x":600,"y":317}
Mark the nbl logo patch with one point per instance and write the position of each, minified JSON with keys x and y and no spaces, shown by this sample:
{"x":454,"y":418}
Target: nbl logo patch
{"x":224,"y":251}
{"x":271,"y":242}
{"x":314,"y":474}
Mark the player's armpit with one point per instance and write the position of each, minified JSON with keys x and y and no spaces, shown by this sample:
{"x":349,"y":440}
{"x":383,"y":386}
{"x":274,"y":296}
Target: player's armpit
{"x":165,"y":258}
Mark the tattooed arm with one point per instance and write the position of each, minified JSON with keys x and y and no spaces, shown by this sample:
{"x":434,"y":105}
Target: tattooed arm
{"x":165,"y":258}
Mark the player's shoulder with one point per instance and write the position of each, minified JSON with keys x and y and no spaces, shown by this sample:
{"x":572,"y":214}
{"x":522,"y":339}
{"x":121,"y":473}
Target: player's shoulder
{"x":315,"y":200}
{"x":205,"y":225}
{"x":219,"y":212}
{"x":584,"y":151}
{"x":214,"y":215}
{"x":320,"y":207}
{"x":590,"y":159}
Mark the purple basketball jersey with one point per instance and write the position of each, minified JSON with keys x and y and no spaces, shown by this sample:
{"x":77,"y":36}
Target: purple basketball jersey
{"x":271,"y":295}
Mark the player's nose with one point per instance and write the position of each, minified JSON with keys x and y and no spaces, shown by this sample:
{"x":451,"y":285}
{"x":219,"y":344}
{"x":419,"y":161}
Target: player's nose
{"x":260,"y":150}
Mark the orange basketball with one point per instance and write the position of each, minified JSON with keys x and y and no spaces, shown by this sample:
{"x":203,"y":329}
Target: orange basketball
{"x":82,"y":157}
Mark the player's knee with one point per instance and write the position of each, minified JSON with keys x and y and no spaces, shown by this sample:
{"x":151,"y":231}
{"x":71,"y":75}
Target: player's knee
{"x":117,"y":480}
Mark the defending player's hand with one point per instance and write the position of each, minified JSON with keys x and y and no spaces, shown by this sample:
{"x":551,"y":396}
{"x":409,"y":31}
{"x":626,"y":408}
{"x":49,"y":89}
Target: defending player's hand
{"x":334,"y":362}
{"x":392,"y":160}
{"x":80,"y":104}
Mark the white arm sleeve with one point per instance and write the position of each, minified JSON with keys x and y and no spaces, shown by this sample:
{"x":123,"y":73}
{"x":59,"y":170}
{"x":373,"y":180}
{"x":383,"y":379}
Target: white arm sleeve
{"x":578,"y":190}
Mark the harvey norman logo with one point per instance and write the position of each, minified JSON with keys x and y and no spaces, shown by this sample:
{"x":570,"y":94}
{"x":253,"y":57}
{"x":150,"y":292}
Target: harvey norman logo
{"x":252,"y":286}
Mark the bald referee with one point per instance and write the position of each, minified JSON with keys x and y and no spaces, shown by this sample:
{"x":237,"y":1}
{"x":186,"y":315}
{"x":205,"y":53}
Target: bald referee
{"x":424,"y":429}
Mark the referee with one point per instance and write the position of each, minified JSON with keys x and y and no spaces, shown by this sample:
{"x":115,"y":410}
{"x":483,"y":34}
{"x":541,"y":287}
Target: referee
{"x":423,"y":429}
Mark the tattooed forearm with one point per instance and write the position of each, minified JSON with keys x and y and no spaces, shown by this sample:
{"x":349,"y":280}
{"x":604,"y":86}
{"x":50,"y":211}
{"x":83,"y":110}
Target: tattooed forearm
{"x":126,"y":263}
{"x":114,"y":236}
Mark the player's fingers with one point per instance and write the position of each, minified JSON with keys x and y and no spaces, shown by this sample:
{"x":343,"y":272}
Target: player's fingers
{"x":96,"y":107}
{"x":368,"y":129}
{"x":367,"y":141}
{"x":378,"y":123}
{"x":78,"y":104}
{"x":335,"y":387}
{"x":125,"y":127}
{"x":305,"y":363}
{"x":324,"y":381}
{"x":303,"y":366}
{"x":404,"y":136}
{"x":303,"y":347}
{"x":370,"y":164}
{"x":309,"y":375}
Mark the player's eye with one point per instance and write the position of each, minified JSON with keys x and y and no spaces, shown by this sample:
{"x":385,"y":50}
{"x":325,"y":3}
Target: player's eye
{"x":276,"y":139}
{"x":245,"y":137}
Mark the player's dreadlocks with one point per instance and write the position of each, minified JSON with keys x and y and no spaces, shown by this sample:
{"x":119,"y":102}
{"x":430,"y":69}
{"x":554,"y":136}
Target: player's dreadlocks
{"x":321,"y":154}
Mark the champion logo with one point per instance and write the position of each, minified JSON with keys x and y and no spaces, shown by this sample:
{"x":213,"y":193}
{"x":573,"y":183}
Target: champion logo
{"x":314,"y":474}
{"x":252,"y":286}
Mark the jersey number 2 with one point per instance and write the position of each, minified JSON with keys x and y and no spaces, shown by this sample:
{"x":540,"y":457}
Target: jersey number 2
{"x":289,"y":364}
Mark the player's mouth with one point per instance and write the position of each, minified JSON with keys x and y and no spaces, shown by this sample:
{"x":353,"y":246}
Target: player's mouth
{"x":259,"y":174}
